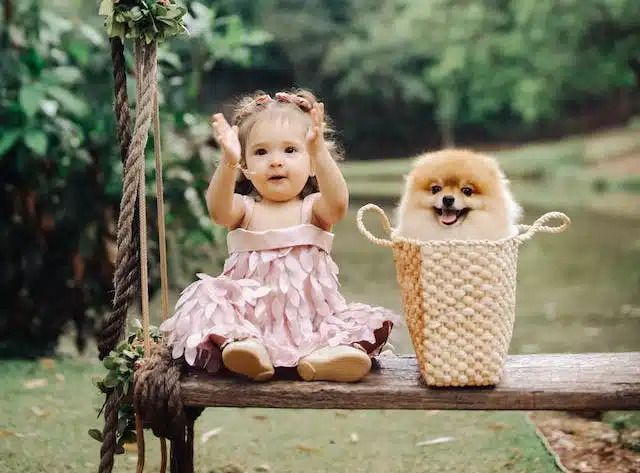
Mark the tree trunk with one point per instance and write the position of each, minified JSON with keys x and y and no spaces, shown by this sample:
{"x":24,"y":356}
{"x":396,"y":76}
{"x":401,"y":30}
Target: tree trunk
{"x":447,"y":133}
{"x":446,"y":114}
{"x":8,"y":13}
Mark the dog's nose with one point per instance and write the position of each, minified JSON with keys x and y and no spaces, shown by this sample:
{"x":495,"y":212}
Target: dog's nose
{"x":448,"y":200}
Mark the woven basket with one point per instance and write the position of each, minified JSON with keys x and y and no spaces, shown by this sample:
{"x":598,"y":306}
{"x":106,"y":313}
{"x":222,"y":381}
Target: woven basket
{"x":459,"y":300}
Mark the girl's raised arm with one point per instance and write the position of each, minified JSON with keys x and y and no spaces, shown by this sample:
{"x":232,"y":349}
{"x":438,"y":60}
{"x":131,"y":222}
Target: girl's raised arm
{"x":225,"y":207}
{"x":333,"y":202}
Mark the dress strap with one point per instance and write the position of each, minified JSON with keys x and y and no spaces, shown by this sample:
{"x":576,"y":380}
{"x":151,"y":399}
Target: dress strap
{"x":307,"y":207}
{"x":249,"y":204}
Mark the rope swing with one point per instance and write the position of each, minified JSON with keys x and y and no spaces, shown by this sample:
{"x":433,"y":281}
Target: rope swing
{"x":155,"y":390}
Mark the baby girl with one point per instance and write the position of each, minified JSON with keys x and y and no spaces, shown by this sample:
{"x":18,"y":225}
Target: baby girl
{"x":277,"y":302}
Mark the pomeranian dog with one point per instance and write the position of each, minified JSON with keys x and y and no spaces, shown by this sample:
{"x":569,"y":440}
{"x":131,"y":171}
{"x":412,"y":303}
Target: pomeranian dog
{"x":456,"y":194}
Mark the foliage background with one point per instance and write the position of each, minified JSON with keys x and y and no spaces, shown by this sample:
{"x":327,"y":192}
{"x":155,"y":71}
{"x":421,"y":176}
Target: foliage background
{"x":61,"y":172}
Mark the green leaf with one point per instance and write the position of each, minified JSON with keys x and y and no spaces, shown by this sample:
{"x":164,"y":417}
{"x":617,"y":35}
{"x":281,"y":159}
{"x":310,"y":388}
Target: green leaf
{"x":136,"y":13}
{"x":7,"y":140}
{"x":36,"y":141}
{"x":62,"y":75}
{"x":257,"y":38}
{"x":80,"y":51}
{"x":30,"y":97}
{"x":177,"y":12}
{"x":100,"y":385}
{"x":95,"y":434}
{"x":92,"y":35}
{"x":110,"y":363}
{"x":160,"y":10}
{"x":122,"y":424}
{"x":69,"y":101}
{"x":129,"y":354}
{"x":111,"y":380}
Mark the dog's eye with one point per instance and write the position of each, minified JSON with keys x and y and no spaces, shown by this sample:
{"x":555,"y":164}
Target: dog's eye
{"x":435,"y":189}
{"x":467,"y":191}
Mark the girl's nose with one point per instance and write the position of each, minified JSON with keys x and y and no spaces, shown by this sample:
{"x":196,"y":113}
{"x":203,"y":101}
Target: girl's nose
{"x":276,"y":160}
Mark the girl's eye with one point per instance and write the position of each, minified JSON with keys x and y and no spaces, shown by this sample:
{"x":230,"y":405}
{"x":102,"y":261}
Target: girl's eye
{"x":467,"y":191}
{"x":260,"y":151}
{"x":435,"y":189}
{"x":290,"y":149}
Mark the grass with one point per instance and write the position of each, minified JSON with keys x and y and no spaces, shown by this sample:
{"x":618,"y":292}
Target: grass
{"x":577,"y":291}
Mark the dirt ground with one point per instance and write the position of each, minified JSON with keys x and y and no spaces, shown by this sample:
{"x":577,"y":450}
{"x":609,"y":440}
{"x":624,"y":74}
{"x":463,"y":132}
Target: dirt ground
{"x":583,"y":445}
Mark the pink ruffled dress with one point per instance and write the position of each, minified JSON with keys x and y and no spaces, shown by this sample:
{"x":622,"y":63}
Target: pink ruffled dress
{"x":279,"y":287}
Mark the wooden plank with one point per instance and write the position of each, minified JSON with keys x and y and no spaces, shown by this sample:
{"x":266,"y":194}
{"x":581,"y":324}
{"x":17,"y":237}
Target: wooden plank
{"x":590,"y":381}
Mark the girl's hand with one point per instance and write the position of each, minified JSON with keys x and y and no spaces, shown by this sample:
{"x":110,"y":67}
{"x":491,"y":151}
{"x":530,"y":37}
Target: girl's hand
{"x":315,"y":137}
{"x":227,"y":138}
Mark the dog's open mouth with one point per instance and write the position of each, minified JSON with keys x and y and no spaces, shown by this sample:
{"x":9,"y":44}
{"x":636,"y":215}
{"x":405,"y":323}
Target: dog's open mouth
{"x":450,"y":216}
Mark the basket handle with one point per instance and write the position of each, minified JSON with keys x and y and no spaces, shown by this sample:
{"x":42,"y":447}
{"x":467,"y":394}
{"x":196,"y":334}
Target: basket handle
{"x":366,"y":232}
{"x":538,"y":225}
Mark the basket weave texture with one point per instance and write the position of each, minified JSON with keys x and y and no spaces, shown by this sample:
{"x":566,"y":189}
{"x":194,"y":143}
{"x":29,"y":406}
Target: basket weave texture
{"x":459,"y":300}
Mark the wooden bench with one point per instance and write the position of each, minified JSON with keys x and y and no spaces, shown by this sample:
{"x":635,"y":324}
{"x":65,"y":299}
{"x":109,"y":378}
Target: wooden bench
{"x":590,"y":381}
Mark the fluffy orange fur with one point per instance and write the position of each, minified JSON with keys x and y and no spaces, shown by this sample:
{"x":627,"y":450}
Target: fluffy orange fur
{"x":456,"y":194}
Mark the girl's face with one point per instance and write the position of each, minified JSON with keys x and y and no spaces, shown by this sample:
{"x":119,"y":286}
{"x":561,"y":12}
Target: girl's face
{"x":277,"y":158}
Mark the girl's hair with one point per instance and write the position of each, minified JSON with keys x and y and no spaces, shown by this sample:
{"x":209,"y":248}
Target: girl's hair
{"x":250,"y":109}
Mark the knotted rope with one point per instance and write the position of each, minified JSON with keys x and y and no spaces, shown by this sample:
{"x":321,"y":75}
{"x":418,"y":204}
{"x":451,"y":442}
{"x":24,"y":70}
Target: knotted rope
{"x":127,"y":277}
{"x":126,"y":262}
{"x":157,"y":397}
{"x":129,"y":264}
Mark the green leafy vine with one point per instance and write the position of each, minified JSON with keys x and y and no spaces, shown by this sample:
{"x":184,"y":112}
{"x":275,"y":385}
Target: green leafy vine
{"x":120,"y":365}
{"x":152,"y":20}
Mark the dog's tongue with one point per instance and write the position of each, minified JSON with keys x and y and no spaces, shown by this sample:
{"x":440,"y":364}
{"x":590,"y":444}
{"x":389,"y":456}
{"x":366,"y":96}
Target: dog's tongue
{"x":448,"y":216}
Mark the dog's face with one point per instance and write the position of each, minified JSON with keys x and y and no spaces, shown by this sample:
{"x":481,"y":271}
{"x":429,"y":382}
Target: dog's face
{"x":452,"y":185}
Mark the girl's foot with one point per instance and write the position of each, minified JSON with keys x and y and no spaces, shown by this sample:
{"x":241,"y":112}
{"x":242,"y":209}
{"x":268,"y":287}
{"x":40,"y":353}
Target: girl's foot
{"x":341,"y":363}
{"x":248,"y":358}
